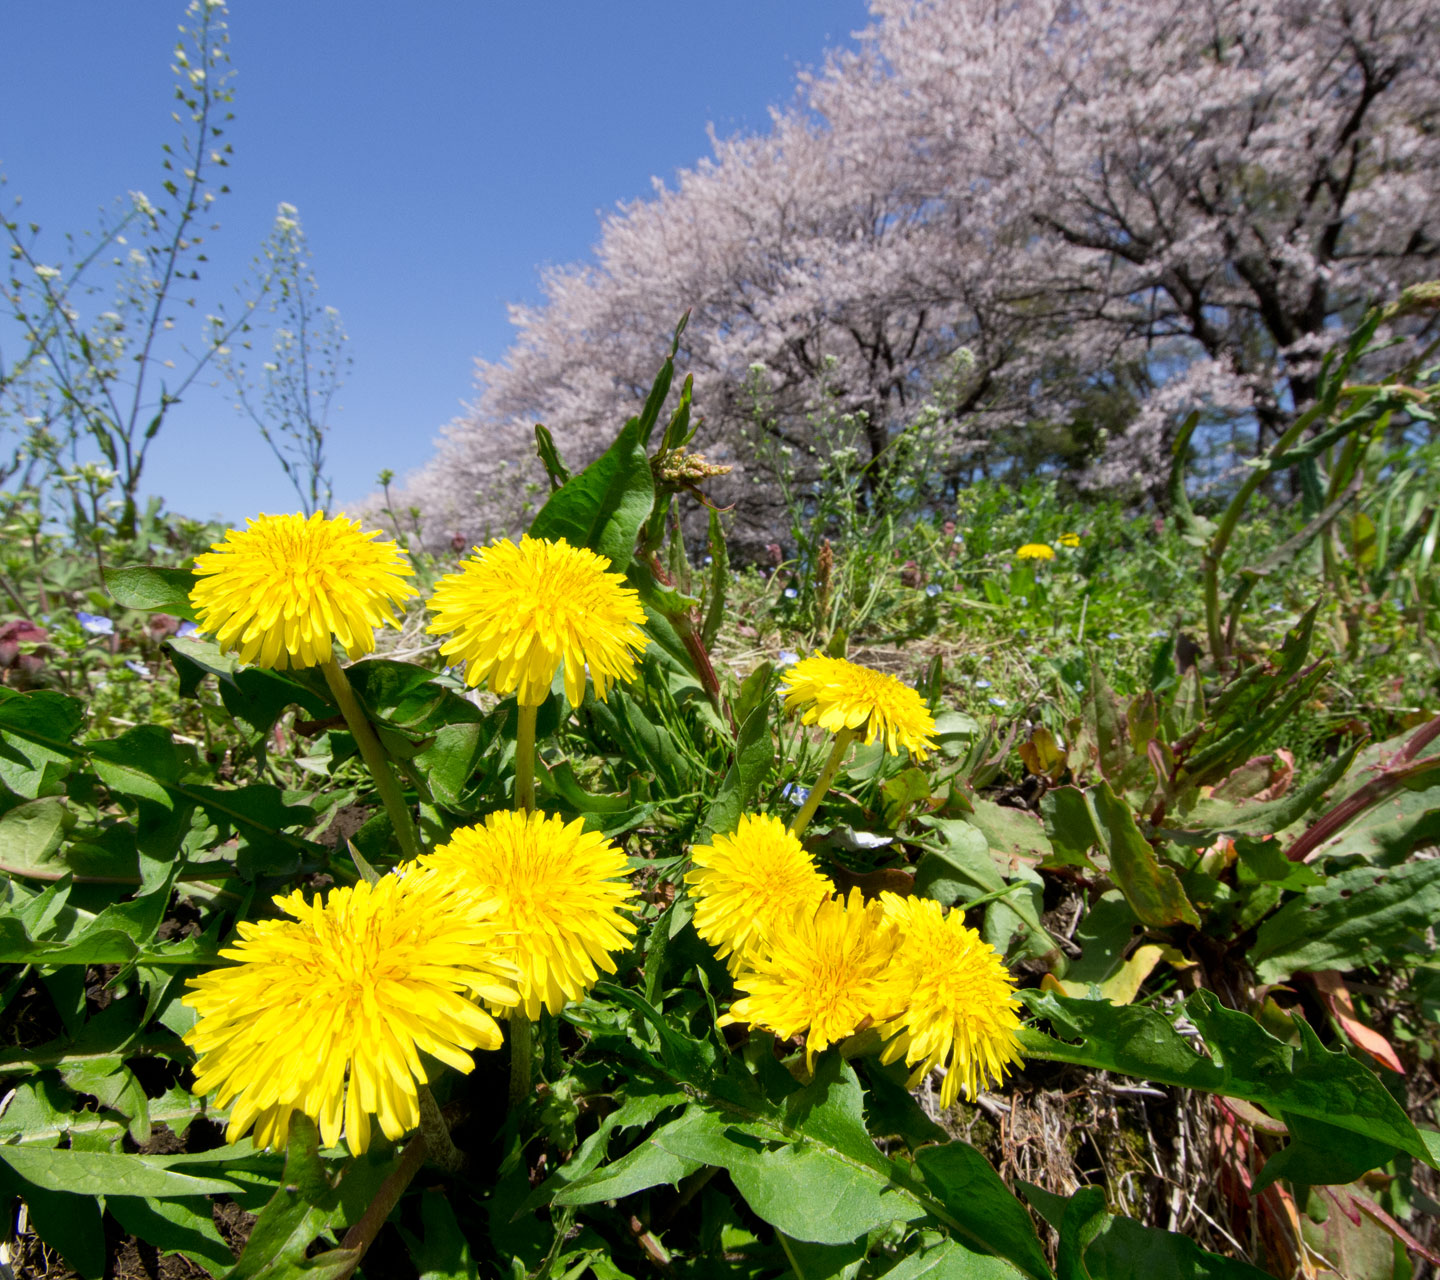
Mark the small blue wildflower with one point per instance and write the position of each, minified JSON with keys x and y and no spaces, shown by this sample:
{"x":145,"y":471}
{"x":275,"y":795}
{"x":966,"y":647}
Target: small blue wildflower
{"x":187,"y":629}
{"x":96,"y":624}
{"x":1112,"y":635}
{"x":139,"y":668}
{"x":1159,"y":635}
{"x":1022,"y":601}
{"x":795,"y":793}
{"x":997,"y":702}
{"x":1079,"y":686}
{"x":982,"y":684}
{"x":787,"y":658}
{"x":709,"y":559}
{"x":790,"y":593}
{"x":933,"y":590}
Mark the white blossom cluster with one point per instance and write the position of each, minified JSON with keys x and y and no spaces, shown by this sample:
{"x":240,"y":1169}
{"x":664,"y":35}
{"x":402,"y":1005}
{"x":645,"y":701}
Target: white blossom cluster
{"x":1180,"y":202}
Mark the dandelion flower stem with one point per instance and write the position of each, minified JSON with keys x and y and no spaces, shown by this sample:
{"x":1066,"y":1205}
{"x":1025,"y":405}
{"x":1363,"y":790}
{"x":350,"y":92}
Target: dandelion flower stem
{"x":375,"y":758}
{"x":520,"y":1044}
{"x":444,"y":1154}
{"x":432,"y":1143}
{"x":525,"y":759}
{"x":362,"y":1234}
{"x":843,"y":739}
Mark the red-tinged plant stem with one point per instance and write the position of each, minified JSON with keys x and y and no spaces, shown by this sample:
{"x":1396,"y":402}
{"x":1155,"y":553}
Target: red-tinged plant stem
{"x":843,"y":739}
{"x":1396,"y":774}
{"x":525,"y":758}
{"x":362,"y":1235}
{"x":520,"y":1047}
{"x":685,"y":628}
{"x":375,"y":758}
{"x":432,"y":1142}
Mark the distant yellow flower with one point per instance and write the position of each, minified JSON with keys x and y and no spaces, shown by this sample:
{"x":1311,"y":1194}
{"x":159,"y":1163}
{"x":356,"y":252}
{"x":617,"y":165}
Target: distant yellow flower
{"x":1036,"y":551}
{"x":361,"y":983}
{"x":1069,"y":539}
{"x":837,"y":695}
{"x":825,"y":973}
{"x":518,"y":613}
{"x":959,"y":1005}
{"x":283,"y":589}
{"x":744,"y":884}
{"x":560,"y":899}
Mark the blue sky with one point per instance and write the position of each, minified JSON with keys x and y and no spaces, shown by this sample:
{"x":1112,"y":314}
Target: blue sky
{"x":440,"y":153}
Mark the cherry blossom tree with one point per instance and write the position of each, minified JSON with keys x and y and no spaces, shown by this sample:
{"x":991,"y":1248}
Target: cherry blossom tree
{"x":1204,"y":190}
{"x":984,"y":217}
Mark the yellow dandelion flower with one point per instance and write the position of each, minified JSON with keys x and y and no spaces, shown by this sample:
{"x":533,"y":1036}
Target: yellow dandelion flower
{"x":1069,"y":539}
{"x":747,"y":883}
{"x":837,"y":695}
{"x":825,"y":973}
{"x":1036,"y":551}
{"x":960,"y":1009}
{"x":518,"y":613}
{"x":283,"y":589}
{"x":560,"y":896}
{"x":358,"y":985}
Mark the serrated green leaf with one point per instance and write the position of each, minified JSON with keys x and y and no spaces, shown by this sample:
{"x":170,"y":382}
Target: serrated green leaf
{"x":1245,"y":1061}
{"x":805,"y":1188}
{"x":30,"y":835}
{"x":1011,"y":833}
{"x":1361,"y":917}
{"x":153,"y":589}
{"x":970,"y":1188}
{"x":1153,"y":890}
{"x":719,"y":581}
{"x":1320,"y":1154}
{"x":958,"y":865}
{"x":183,"y":1226}
{"x":950,"y":1260}
{"x":749,"y":770}
{"x":113,"y":1085}
{"x":1070,"y":827}
{"x":604,"y":506}
{"x":549,"y":456}
{"x":1096,"y":1245}
{"x":70,"y":1224}
{"x":891,"y":1110}
{"x":647,"y":1165}
{"x":97,"y":1173}
{"x":36,"y":741}
{"x":304,"y":1205}
{"x":441,"y":1252}
{"x":450,"y":761}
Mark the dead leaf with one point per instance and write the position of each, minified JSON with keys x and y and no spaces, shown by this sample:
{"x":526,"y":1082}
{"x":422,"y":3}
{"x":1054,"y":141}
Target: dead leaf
{"x":1337,"y":1000}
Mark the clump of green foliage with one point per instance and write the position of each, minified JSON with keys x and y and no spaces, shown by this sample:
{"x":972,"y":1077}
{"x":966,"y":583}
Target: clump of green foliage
{"x":1179,"y":787}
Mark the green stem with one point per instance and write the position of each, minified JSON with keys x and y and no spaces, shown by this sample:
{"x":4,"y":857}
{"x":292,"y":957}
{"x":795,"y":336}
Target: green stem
{"x":520,"y":1045}
{"x":1220,"y":540}
{"x":843,"y":739}
{"x":525,"y":759}
{"x":375,"y":758}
